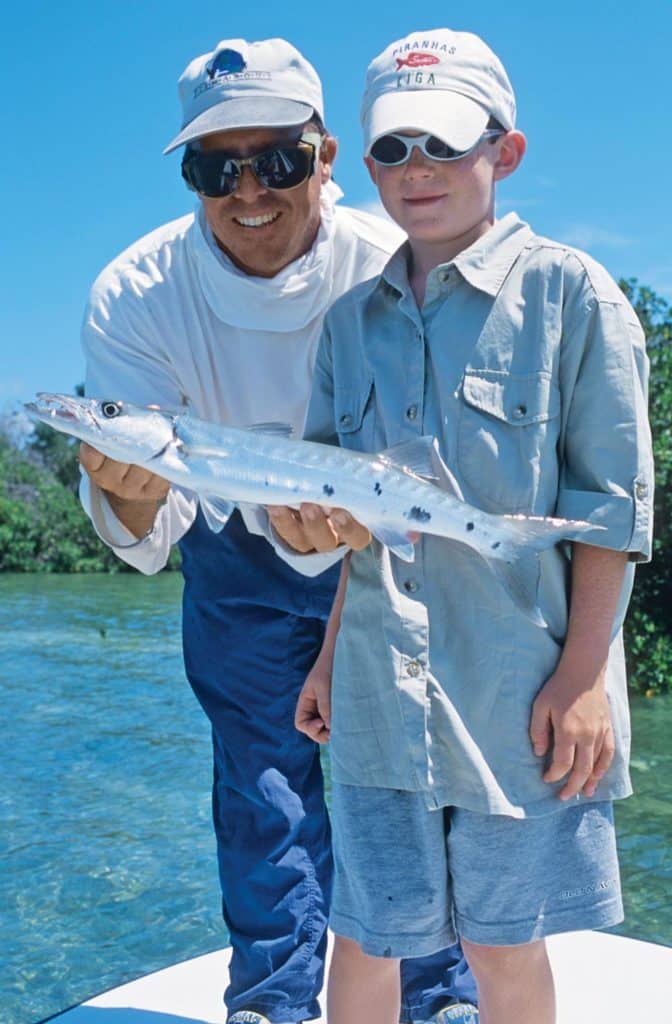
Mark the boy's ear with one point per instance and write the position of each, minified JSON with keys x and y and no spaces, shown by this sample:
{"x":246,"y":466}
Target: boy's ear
{"x":372,"y":167}
{"x":511,"y":151}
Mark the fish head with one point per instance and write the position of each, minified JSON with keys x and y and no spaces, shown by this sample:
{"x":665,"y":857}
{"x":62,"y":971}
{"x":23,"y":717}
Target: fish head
{"x":122,"y":431}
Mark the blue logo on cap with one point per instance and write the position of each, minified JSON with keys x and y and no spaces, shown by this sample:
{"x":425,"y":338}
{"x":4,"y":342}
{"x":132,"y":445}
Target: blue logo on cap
{"x":226,"y":62}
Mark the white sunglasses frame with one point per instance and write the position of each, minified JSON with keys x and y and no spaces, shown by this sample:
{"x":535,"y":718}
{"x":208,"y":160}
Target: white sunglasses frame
{"x":420,"y":141}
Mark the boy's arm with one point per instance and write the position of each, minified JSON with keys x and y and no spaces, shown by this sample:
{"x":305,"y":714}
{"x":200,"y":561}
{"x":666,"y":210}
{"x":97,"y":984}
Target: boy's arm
{"x":571,"y":712}
{"x":313,"y":708}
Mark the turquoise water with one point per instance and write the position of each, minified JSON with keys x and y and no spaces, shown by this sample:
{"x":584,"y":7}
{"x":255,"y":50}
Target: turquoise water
{"x":107,"y":857}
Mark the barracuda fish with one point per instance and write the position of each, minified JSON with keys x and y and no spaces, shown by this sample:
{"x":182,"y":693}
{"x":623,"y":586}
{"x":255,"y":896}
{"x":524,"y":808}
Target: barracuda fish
{"x":402,"y":491}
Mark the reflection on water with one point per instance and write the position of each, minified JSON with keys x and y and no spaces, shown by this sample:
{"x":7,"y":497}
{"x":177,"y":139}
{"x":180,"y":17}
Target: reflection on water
{"x":108,"y":861}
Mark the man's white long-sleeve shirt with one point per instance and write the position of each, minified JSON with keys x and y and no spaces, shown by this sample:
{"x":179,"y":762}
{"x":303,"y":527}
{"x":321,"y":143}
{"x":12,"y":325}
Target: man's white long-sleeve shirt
{"x":172,"y":322}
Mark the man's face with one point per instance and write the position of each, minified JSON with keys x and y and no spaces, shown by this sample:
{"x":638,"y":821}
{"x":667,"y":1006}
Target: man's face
{"x":445,"y":203}
{"x":262,"y":230}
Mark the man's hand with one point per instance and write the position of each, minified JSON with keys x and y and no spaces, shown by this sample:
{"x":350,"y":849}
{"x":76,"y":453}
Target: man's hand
{"x":135,"y":495}
{"x":121,"y":479}
{"x":311,"y":529}
{"x":313,"y":708}
{"x":572,"y":717}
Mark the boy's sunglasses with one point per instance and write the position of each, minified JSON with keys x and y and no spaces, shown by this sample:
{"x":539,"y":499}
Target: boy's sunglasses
{"x":391,"y":150}
{"x":216,"y":174}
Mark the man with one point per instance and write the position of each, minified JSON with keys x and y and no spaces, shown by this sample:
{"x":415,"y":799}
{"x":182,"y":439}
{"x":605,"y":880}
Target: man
{"x":221,"y":311}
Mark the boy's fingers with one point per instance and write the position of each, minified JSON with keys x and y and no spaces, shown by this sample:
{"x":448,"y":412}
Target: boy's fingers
{"x":581,"y":771}
{"x":602,"y":762}
{"x":540,"y":729}
{"x":562,"y":763}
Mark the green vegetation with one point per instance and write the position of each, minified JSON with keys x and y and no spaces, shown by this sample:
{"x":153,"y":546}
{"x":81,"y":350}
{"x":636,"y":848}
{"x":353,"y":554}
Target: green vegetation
{"x":648,"y":629}
{"x":43,"y":528}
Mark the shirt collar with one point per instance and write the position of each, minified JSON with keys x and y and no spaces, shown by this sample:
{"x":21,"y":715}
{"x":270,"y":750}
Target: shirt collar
{"x":485,"y":264}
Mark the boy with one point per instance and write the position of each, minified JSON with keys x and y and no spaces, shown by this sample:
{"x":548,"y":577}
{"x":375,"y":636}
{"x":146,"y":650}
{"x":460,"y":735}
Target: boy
{"x":474,"y":755}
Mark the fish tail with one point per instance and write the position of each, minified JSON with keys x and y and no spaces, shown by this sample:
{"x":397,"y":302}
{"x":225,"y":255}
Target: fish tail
{"x":515,"y":560}
{"x":540,"y":533}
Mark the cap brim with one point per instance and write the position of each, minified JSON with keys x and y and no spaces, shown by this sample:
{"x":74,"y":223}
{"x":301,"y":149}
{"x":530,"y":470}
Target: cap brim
{"x":454,"y":118}
{"x":248,"y":112}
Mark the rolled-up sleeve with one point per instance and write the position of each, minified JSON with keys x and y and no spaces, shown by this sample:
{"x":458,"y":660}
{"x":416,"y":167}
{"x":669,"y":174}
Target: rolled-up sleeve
{"x":606,"y":457}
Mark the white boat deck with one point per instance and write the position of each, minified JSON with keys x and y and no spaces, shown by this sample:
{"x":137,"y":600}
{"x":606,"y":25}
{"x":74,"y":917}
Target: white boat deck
{"x":600,"y":979}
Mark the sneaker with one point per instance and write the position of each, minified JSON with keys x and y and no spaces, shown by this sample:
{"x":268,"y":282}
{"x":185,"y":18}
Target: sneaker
{"x":457,"y":1013}
{"x":251,"y":1017}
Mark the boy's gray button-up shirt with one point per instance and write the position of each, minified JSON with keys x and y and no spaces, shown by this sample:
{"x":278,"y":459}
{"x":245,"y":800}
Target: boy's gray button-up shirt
{"x":529,"y":366}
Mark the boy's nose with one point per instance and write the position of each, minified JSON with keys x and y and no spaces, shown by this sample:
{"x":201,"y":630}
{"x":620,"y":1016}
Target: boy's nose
{"x":418,"y":162}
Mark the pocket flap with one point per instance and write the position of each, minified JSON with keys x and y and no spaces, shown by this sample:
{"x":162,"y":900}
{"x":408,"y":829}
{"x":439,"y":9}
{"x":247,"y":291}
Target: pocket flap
{"x":518,"y":399}
{"x":350,"y":404}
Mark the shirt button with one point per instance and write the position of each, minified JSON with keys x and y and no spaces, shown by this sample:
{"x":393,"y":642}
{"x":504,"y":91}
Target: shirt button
{"x":410,"y":586}
{"x":641,"y":490}
{"x":414,"y":668}
{"x":412,"y":412}
{"x":520,"y":411}
{"x":345,"y":420}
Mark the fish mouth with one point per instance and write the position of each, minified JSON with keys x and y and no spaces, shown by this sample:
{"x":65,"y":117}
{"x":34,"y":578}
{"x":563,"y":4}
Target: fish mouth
{"x":60,"y":407}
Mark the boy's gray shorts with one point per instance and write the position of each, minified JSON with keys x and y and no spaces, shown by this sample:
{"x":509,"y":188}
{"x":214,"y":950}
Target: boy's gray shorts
{"x":407,"y":879}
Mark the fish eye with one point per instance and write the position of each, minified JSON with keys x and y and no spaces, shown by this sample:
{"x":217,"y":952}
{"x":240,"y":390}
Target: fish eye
{"x":111,"y":409}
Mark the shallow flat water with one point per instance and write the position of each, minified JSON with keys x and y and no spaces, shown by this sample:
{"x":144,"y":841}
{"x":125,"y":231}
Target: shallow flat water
{"x":106,"y":853}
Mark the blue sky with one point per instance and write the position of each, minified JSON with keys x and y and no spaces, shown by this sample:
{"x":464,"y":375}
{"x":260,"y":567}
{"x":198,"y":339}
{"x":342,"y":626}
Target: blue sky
{"x":90,"y":100}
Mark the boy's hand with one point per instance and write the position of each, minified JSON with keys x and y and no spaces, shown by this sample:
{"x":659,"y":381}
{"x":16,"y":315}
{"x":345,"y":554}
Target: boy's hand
{"x":311,"y":529}
{"x":313,"y":708}
{"x":572,"y":716}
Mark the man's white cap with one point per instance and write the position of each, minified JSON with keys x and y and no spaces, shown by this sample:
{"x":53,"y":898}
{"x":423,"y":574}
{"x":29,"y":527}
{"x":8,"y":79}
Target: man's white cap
{"x":267,"y":84}
{"x":442,"y":82}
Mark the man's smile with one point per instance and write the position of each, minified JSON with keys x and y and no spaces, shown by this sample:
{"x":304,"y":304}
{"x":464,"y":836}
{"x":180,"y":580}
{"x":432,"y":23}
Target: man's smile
{"x":257,"y":222}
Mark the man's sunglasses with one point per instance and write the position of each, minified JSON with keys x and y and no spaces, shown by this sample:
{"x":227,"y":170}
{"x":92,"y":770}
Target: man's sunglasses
{"x":394,"y":149}
{"x":215,"y":174}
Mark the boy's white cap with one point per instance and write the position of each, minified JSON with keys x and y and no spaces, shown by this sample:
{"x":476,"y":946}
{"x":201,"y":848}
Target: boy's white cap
{"x":246,"y":85}
{"x":443,"y":82}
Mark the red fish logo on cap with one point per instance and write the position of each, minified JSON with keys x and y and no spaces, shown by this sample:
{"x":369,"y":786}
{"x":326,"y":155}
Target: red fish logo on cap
{"x":417,"y":60}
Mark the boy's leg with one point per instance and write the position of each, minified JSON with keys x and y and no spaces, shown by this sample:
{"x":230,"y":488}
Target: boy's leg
{"x":391,"y":886}
{"x":515,"y":983}
{"x":517,"y":880}
{"x":362,"y":989}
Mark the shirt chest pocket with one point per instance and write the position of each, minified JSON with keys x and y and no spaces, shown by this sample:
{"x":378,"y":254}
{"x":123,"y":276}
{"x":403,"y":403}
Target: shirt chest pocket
{"x":507,"y":434}
{"x":355,"y":412}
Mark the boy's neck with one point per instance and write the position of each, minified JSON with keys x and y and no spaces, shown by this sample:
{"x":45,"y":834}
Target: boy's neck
{"x":425,"y":256}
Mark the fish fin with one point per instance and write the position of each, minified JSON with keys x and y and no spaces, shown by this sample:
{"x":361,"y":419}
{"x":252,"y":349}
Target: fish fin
{"x":412,"y":457}
{"x":519,"y":576}
{"x":216,"y":511}
{"x":273,"y":429}
{"x":397,"y":542}
{"x":421,"y":457}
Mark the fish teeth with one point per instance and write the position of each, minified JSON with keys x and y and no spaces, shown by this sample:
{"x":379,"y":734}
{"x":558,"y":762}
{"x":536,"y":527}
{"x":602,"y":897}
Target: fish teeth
{"x":257,"y":222}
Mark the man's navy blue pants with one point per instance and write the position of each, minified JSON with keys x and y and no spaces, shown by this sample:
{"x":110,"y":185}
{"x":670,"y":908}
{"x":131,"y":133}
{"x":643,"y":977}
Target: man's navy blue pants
{"x":252,"y":629}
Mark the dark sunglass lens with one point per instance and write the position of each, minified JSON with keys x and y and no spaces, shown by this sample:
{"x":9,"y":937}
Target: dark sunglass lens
{"x":439,"y":150}
{"x":283,"y":168}
{"x":388,"y":150}
{"x":211,"y":174}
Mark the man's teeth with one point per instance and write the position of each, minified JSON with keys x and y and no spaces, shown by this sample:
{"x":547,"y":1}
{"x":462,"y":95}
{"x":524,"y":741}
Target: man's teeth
{"x":257,"y":222}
